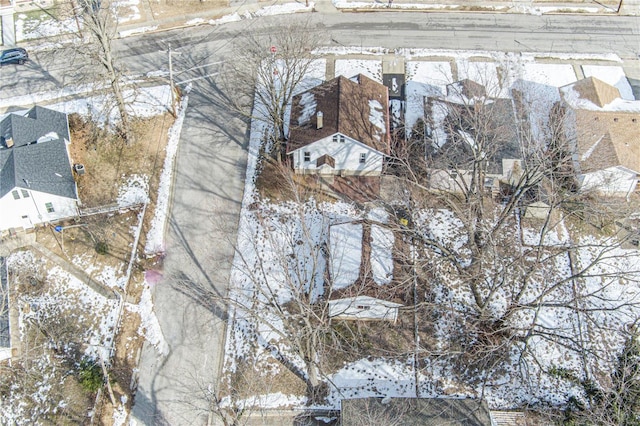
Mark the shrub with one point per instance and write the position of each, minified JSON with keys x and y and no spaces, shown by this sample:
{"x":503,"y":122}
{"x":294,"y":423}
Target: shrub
{"x":90,"y":375}
{"x":102,"y":247}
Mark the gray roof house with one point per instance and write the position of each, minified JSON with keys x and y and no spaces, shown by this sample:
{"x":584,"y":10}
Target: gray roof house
{"x":35,"y":164}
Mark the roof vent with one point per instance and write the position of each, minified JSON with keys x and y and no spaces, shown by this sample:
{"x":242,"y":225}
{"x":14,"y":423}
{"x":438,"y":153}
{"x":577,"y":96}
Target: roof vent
{"x":319,"y":121}
{"x":9,"y":142}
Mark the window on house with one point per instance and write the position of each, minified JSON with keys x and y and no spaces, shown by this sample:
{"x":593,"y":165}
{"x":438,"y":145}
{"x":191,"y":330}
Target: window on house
{"x":342,"y":139}
{"x":335,"y":138}
{"x":25,"y":193}
{"x":363,"y":307}
{"x":307,"y":156}
{"x":49,"y":207}
{"x":15,"y":194}
{"x":363,"y":157}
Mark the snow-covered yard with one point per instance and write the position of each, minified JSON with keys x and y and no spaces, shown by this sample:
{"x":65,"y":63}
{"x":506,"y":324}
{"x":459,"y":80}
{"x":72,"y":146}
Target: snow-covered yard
{"x":88,"y":321}
{"x":525,"y":374}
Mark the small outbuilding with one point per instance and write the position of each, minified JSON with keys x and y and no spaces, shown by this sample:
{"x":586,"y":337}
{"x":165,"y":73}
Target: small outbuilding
{"x":537,"y":210}
{"x":363,"y":308}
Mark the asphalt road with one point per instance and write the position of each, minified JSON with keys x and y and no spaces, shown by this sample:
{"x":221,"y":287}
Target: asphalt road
{"x":212,"y":157}
{"x":485,"y":31}
{"x":208,"y":187}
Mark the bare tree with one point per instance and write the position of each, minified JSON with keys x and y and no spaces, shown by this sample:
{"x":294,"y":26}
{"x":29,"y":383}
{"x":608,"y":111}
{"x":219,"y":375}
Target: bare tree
{"x":268,"y":68}
{"x":99,"y":26}
{"x":515,"y":272}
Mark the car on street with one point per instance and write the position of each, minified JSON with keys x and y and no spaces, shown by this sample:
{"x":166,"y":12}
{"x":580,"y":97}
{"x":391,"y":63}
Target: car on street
{"x":13,"y":56}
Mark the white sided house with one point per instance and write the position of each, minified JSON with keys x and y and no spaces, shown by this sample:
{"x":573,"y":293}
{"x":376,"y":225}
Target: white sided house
{"x":604,"y":130}
{"x":36,"y":180}
{"x":340,"y":127}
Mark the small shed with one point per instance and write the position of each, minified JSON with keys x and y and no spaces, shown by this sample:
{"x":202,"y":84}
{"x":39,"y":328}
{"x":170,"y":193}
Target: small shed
{"x":363,"y":308}
{"x":414,"y":411}
{"x":537,"y":210}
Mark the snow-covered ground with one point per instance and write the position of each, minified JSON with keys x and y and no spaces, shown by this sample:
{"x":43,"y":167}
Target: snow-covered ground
{"x":505,"y":388}
{"x":67,"y":295}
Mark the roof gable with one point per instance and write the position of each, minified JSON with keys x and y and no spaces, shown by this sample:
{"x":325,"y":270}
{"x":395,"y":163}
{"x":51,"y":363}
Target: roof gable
{"x":356,"y":108}
{"x":596,"y":91}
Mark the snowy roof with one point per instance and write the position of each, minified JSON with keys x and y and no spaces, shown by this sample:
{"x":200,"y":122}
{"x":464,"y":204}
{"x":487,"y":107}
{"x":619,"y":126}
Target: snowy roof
{"x":357,"y":108}
{"x":467,"y":88}
{"x":594,"y":90}
{"x":416,"y":411}
{"x":499,"y":135}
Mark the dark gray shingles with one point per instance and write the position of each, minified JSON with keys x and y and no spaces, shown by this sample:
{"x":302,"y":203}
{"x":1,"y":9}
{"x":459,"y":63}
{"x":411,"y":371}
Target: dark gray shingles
{"x":45,"y":167}
{"x":36,"y":123}
{"x":7,"y":172}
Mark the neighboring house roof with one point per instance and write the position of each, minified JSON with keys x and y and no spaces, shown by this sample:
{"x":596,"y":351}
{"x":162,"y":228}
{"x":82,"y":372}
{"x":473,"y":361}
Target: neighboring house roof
{"x":603,"y":137}
{"x":594,"y":90}
{"x":357,"y":108}
{"x":37,"y":165}
{"x":607,"y":139}
{"x":467,"y":88}
{"x":414,"y":411}
{"x":497,"y":121}
{"x":35,"y":124}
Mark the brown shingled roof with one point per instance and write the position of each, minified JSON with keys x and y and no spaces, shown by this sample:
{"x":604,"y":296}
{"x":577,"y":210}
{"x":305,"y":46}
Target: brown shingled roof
{"x":596,"y":91}
{"x":345,"y":107}
{"x":326,"y":159}
{"x":608,"y":138}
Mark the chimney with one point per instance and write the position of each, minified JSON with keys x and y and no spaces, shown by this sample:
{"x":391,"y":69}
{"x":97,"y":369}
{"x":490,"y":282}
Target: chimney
{"x":319,"y":122}
{"x":9,"y":142}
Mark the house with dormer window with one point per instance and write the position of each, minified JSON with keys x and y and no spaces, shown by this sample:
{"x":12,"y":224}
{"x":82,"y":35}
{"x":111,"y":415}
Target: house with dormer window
{"x":36,"y":179}
{"x":340,"y":127}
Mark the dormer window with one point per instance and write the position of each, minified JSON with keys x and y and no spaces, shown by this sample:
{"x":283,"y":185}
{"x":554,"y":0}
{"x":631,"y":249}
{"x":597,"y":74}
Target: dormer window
{"x":339,"y":138}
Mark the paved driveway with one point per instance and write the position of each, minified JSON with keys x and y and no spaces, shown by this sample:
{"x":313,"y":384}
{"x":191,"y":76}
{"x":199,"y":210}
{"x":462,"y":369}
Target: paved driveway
{"x":208,"y":188}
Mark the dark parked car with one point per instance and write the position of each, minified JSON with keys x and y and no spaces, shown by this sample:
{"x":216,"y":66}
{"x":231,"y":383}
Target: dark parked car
{"x":14,"y":56}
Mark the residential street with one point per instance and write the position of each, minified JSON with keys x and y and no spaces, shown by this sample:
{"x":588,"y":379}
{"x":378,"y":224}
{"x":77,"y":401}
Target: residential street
{"x":206,"y":203}
{"x":210,"y":167}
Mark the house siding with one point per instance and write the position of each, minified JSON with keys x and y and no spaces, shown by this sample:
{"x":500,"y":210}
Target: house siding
{"x":34,"y":207}
{"x":346,"y":155}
